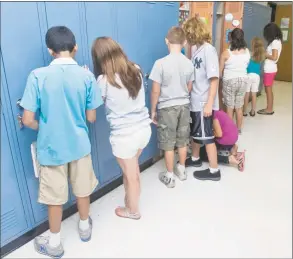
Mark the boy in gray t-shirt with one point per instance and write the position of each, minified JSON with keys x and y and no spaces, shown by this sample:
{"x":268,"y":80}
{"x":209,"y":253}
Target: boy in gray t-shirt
{"x":172,"y":81}
{"x":204,"y":98}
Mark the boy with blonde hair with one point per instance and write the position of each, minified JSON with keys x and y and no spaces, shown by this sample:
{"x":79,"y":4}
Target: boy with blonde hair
{"x":204,"y":97}
{"x":172,"y":82}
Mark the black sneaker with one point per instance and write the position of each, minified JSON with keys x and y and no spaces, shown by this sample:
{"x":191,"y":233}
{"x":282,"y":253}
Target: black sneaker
{"x":190,"y":163}
{"x":207,"y":175}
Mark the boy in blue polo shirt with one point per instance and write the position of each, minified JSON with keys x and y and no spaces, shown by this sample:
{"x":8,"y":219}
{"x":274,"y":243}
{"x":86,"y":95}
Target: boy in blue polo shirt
{"x":66,"y":96}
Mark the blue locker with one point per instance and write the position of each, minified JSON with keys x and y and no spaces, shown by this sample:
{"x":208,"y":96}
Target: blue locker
{"x":100,"y":20}
{"x":23,"y":49}
{"x":13,"y":219}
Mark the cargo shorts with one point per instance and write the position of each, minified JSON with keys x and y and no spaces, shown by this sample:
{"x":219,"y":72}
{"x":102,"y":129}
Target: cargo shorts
{"x":53,"y":189}
{"x":173,"y":127}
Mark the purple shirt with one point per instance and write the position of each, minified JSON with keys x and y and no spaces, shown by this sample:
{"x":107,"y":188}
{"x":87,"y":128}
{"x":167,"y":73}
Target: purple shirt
{"x":229,"y":129}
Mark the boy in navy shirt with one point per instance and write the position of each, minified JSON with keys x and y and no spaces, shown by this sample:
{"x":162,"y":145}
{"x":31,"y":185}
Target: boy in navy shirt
{"x":66,"y":96}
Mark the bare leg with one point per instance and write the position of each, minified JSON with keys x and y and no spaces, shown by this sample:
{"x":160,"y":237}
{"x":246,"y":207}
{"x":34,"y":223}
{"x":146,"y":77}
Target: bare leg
{"x":270,"y":98}
{"x":239,"y":118}
{"x":169,"y":160}
{"x":234,"y":150}
{"x":182,"y":155}
{"x":233,"y":160}
{"x":253,"y":102}
{"x":83,"y":205}
{"x":131,"y":173}
{"x":212,"y":155}
{"x":246,"y":100}
{"x":55,"y":218}
{"x":230,"y":112}
{"x":195,"y":149}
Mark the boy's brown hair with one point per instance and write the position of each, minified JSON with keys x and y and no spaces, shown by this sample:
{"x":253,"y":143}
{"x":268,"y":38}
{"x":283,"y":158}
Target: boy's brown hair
{"x":196,"y":31}
{"x":176,"y":36}
{"x":257,"y":50}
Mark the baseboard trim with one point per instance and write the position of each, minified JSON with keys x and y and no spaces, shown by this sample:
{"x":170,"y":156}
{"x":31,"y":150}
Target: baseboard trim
{"x":30,"y":235}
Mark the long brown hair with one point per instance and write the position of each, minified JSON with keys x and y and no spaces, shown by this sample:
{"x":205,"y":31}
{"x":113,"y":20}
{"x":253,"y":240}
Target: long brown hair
{"x":109,"y":60}
{"x":257,"y":50}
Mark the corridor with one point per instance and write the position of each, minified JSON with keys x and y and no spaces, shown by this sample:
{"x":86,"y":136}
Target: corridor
{"x":245,"y":215}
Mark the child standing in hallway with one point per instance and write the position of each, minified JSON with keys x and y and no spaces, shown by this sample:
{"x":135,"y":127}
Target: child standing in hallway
{"x":233,"y":68}
{"x":123,"y":92}
{"x":204,"y":98}
{"x":172,"y":81}
{"x":66,"y":95}
{"x":273,"y":35}
{"x":253,"y":71}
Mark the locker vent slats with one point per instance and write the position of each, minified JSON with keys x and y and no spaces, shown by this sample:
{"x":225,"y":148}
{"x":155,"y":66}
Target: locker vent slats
{"x":8,"y":220}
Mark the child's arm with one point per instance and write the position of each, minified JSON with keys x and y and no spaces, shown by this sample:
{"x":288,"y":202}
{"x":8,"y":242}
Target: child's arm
{"x":156,"y":91}
{"x":93,"y":99}
{"x":189,"y":86}
{"x":30,"y":102}
{"x":274,"y":55}
{"x":28,"y":120}
{"x":214,"y":83}
{"x":157,"y":77}
{"x":212,"y":70}
{"x":217,"y":128}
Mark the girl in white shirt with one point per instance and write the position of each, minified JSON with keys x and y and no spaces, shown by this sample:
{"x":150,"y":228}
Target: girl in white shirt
{"x":123,"y":92}
{"x":273,"y":35}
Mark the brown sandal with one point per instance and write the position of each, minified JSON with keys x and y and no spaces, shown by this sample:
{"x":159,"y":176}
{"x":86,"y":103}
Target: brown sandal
{"x":124,"y":212}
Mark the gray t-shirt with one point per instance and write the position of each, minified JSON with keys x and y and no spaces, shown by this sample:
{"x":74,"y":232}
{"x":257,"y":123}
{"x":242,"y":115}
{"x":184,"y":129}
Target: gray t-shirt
{"x":206,"y":66}
{"x":173,"y":73}
{"x":124,"y":114}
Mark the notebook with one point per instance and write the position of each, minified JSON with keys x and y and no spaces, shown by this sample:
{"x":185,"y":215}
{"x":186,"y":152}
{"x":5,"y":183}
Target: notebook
{"x":36,"y":164}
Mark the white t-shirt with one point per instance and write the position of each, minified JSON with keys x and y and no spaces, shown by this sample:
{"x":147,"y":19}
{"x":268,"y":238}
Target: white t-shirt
{"x":270,"y":66}
{"x":124,"y":114}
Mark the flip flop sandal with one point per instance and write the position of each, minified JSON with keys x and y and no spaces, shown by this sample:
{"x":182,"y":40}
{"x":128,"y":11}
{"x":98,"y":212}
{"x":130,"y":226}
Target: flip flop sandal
{"x":252,"y":114}
{"x":241,"y":162}
{"x":263,"y":112}
{"x":123,"y":212}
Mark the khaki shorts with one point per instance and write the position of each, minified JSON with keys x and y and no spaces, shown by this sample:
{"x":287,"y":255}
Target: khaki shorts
{"x":173,"y":127}
{"x":53,"y":188}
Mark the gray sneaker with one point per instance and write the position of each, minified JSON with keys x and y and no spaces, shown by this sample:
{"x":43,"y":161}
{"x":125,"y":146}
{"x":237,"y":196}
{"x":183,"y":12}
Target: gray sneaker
{"x":43,"y":247}
{"x":168,"y":181}
{"x":182,"y":176}
{"x":86,"y":235}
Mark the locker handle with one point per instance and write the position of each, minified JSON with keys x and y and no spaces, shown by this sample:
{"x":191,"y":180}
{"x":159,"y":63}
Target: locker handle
{"x":19,"y":120}
{"x":146,"y":76}
{"x":18,"y":104}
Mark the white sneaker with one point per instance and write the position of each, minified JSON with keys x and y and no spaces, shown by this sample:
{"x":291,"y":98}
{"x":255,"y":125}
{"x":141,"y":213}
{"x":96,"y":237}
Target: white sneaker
{"x":182,"y":175}
{"x":167,"y":180}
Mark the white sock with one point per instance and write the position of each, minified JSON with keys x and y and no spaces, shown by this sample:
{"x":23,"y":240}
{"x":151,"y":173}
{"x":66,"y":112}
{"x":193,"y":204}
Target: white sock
{"x":181,"y":168}
{"x":214,"y":170}
{"x":194,"y":158}
{"x":84,"y":224}
{"x":54,"y":239}
{"x":170,"y":174}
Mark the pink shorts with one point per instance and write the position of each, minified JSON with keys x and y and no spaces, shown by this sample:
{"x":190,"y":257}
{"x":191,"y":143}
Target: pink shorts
{"x":268,"y":79}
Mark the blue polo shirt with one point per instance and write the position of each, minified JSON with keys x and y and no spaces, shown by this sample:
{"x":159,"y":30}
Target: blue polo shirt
{"x":62,"y":92}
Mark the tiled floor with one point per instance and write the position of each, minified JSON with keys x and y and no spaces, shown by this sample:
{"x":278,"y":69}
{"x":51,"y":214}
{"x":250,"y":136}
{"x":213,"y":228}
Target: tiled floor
{"x":244,"y":215}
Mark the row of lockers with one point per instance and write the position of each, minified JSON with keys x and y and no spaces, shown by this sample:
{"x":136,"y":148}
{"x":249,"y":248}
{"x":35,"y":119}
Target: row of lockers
{"x":140,"y":27}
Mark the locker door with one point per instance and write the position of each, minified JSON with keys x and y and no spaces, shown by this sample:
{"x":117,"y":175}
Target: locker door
{"x":128,"y":22}
{"x":152,"y":30}
{"x":13,"y":218}
{"x":100,"y":17}
{"x":23,"y":49}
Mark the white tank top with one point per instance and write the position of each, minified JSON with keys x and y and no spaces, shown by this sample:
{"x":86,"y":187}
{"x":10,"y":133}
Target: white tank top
{"x":236,"y":65}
